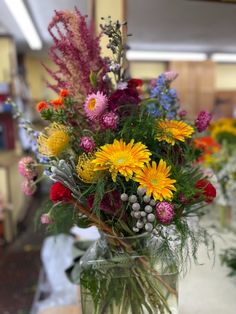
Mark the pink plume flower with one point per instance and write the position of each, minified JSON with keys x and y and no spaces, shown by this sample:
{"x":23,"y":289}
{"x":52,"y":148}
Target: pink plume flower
{"x":165,"y":212}
{"x":109,"y":120}
{"x":95,"y":105}
{"x":171,"y":75}
{"x":26,"y":167}
{"x":28,"y":187}
{"x":46,"y":219}
{"x":87,"y":144}
{"x":203,"y":120}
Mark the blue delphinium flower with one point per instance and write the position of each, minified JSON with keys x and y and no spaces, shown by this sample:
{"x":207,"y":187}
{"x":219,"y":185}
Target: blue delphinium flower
{"x":153,"y":110}
{"x":167,"y":99}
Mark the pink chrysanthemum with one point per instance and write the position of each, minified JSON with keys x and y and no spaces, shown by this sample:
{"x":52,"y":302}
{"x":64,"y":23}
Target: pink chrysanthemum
{"x":109,"y":120}
{"x":28,"y":187}
{"x":87,"y":144}
{"x":95,"y":105}
{"x":171,"y":75}
{"x":164,"y":212}
{"x":46,"y":219}
{"x":203,"y":120}
{"x":26,"y":167}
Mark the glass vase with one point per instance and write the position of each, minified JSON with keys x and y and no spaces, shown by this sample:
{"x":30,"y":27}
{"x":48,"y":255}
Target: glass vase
{"x":126,"y":276}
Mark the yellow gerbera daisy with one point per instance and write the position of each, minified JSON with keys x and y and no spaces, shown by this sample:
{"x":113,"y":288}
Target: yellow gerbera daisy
{"x":155,"y":180}
{"x":223,"y":129}
{"x":54,"y":140}
{"x":172,"y":131}
{"x":122,"y":158}
{"x":85,"y":169}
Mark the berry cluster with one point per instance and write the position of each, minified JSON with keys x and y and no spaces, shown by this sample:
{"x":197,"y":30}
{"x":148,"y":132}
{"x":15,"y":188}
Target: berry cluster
{"x":145,"y":216}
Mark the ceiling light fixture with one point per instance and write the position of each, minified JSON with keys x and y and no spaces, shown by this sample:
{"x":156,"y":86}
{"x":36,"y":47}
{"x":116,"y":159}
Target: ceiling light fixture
{"x":224,"y":57}
{"x":138,"y":55}
{"x":25,"y":23}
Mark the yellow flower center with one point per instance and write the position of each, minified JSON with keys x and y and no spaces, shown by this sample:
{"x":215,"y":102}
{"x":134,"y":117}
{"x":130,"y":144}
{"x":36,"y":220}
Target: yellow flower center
{"x":57,"y":142}
{"x":121,"y":158}
{"x":154,"y":181}
{"x":92,"y":104}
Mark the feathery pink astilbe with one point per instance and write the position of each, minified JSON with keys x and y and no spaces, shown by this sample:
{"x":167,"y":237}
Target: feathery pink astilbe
{"x":76,"y":53}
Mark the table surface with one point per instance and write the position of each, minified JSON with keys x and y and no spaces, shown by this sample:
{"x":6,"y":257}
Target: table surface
{"x":62,"y":310}
{"x":206,"y":289}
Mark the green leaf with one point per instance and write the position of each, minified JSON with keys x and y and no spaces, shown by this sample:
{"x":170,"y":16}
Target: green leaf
{"x":93,"y":79}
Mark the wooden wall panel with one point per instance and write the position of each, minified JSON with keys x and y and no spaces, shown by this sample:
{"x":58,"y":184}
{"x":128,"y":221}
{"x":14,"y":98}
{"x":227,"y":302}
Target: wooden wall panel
{"x":195,"y":85}
{"x":225,"y":103}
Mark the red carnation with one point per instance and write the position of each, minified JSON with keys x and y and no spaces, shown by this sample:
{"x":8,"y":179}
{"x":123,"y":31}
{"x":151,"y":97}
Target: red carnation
{"x":207,"y":189}
{"x":60,"y":193}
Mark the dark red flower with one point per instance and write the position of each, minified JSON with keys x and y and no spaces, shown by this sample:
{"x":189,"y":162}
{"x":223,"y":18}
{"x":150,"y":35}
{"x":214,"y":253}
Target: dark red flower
{"x":123,"y":97}
{"x":134,"y":83}
{"x":60,"y":193}
{"x":110,"y":203}
{"x":207,"y":190}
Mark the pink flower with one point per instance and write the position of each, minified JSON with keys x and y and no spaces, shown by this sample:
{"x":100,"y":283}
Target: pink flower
{"x":26,"y":167}
{"x":164,"y":212}
{"x":109,"y":120}
{"x":28,"y":187}
{"x":46,"y":219}
{"x":182,"y":113}
{"x":203,"y":120}
{"x":95,"y":105}
{"x":171,"y":75}
{"x":87,"y":144}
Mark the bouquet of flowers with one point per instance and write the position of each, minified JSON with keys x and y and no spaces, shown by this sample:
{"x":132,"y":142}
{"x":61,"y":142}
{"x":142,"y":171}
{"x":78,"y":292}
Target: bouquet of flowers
{"x":119,"y":161}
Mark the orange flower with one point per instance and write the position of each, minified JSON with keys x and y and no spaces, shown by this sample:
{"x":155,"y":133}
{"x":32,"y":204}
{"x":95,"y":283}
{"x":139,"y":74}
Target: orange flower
{"x":207,"y":145}
{"x":57,"y":103}
{"x":42,"y":105}
{"x":64,"y":93}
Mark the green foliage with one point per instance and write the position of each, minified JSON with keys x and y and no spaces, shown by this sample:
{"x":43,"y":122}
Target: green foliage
{"x":64,"y":216}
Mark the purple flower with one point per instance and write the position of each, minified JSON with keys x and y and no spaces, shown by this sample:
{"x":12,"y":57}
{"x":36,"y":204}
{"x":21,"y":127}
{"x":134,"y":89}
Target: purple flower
{"x":109,"y":120}
{"x":87,"y":144}
{"x":203,"y":120}
{"x":164,"y":212}
{"x":182,"y":113}
{"x":111,"y":202}
{"x":123,"y":97}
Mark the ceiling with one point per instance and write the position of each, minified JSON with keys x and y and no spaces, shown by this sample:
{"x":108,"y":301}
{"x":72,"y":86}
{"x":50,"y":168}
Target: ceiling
{"x":182,"y":25}
{"x":41,"y":12}
{"x":174,"y":25}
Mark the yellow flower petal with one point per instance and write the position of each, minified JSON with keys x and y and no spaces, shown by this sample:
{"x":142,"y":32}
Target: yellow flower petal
{"x":155,"y":179}
{"x":122,"y":158}
{"x":54,"y":140}
{"x":172,"y":131}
